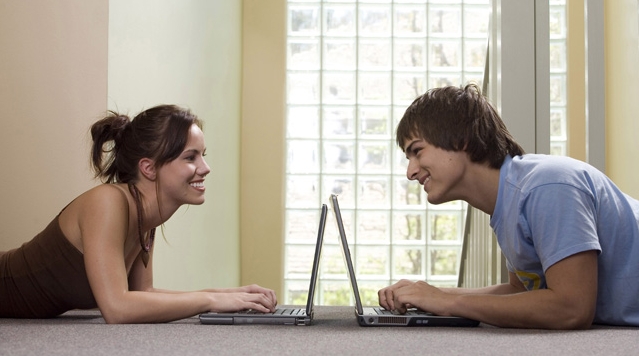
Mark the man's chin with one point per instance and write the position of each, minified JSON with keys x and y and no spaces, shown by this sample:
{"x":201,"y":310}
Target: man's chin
{"x":435,"y":200}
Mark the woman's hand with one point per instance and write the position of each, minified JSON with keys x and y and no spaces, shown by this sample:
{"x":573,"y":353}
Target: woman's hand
{"x":254,"y":288}
{"x":246,"y":297}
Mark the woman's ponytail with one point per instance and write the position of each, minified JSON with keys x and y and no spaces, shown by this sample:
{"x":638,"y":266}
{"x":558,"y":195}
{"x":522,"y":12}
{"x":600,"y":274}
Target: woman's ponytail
{"x":108,"y":136}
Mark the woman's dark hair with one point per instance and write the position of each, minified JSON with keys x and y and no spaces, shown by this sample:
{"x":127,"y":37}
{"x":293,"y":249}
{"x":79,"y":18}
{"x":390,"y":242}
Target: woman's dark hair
{"x":459,"y":119}
{"x":159,"y":133}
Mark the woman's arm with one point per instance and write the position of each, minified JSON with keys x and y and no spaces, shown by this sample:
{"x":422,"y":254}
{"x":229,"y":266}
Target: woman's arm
{"x":141,"y":279}
{"x":103,"y":224}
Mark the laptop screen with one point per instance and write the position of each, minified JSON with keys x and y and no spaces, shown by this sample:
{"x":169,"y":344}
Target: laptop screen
{"x":346,"y":253}
{"x":316,"y":260}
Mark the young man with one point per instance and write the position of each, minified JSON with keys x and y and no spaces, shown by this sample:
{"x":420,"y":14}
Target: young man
{"x":569,"y":235}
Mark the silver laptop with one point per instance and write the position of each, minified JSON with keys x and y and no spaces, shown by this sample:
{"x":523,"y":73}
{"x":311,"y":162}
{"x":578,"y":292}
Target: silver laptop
{"x":281,"y":316}
{"x":377,"y":316}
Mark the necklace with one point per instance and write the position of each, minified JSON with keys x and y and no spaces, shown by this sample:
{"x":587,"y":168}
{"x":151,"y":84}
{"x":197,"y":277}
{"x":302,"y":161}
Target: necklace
{"x":146,"y":245}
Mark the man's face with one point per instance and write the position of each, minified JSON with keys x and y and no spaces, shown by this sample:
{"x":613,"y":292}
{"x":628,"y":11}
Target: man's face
{"x":438,"y":170}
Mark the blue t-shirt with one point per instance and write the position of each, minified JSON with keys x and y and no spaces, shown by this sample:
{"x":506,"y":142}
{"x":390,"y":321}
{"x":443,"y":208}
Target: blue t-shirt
{"x":549,"y":208}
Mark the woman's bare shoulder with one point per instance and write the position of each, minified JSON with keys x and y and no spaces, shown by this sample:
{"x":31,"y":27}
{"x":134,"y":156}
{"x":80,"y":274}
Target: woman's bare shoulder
{"x":102,"y":199}
{"x":106,"y":191}
{"x":99,"y":207}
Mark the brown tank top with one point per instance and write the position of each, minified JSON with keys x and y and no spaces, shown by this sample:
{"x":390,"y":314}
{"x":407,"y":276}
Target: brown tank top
{"x":43,"y":278}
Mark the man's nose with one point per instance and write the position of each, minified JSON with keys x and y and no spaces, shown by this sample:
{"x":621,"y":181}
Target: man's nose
{"x":412,"y":170}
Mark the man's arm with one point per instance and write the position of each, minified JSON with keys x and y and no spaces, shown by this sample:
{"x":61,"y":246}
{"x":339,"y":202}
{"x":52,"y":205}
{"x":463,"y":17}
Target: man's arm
{"x":513,"y":285}
{"x":568,"y":302}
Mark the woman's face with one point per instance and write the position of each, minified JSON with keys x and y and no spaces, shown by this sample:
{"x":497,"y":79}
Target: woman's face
{"x":182,"y":180}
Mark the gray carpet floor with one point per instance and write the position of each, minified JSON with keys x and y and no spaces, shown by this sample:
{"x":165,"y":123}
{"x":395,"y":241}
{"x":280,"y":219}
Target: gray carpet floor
{"x":334,"y":332}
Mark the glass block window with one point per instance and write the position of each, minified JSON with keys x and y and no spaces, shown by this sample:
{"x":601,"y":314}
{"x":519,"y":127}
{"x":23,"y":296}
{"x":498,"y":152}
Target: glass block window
{"x":352,"y":69}
{"x":558,"y":78}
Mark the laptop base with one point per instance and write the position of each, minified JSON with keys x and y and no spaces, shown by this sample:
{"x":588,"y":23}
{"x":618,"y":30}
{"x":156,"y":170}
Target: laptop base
{"x":371,"y":318}
{"x":257,"y":319}
{"x":281,"y":316}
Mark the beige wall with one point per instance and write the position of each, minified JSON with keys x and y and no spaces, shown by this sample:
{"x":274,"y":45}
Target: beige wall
{"x":63,"y":63}
{"x":622,"y":106}
{"x":263,"y":118}
{"x":53,"y":85}
{"x":622,"y":94}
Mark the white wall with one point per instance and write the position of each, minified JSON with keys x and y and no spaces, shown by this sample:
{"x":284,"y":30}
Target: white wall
{"x":187,"y":53}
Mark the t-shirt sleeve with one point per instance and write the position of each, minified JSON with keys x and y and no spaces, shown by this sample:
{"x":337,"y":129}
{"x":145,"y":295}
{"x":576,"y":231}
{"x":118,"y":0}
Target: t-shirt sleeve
{"x":562,"y":220}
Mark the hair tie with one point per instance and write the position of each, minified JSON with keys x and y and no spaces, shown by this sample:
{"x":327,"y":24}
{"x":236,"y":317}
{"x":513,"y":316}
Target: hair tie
{"x":118,"y":127}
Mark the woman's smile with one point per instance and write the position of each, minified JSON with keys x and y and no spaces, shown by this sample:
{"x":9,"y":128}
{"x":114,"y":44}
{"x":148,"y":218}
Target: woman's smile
{"x":199,"y":185}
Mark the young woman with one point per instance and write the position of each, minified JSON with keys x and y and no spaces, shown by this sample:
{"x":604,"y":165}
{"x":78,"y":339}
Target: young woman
{"x":569,"y":235}
{"x":98,"y":251}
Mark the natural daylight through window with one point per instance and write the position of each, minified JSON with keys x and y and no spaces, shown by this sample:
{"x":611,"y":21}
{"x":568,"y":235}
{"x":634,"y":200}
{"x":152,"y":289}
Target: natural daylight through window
{"x":352,"y":69}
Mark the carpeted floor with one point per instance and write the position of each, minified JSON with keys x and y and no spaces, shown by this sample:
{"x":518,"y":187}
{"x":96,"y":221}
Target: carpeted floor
{"x":334,"y":332}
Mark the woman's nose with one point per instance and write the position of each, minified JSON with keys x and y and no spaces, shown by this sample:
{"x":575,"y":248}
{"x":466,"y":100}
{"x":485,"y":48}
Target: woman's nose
{"x":204,"y":169}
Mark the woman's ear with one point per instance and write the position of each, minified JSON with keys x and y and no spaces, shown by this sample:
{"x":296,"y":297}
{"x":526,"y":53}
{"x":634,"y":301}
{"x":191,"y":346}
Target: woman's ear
{"x":147,"y":168}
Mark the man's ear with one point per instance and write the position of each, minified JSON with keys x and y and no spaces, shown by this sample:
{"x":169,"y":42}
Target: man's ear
{"x":147,"y":168}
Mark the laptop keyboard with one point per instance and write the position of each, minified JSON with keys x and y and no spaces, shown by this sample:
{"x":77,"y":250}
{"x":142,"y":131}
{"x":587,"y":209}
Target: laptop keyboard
{"x":382,"y":311}
{"x":279,"y":311}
